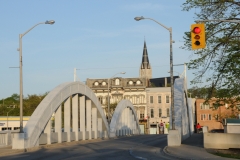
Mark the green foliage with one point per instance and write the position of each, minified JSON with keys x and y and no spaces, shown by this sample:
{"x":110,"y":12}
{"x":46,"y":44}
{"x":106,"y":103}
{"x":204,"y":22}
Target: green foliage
{"x":152,"y":85}
{"x":169,"y":85}
{"x":112,"y":108}
{"x":218,"y":65}
{"x":200,"y":92}
{"x":30,"y":103}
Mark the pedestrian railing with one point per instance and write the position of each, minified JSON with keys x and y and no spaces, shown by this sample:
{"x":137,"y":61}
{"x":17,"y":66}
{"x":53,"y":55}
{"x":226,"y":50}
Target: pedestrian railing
{"x":6,"y":137}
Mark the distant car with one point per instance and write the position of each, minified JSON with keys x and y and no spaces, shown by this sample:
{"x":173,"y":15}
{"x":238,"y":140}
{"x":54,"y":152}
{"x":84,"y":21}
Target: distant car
{"x":217,"y":131}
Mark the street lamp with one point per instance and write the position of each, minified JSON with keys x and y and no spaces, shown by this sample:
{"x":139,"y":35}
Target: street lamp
{"x":20,"y":69}
{"x":7,"y":117}
{"x":171,"y":65}
{"x":75,"y":75}
{"x":108,"y":96}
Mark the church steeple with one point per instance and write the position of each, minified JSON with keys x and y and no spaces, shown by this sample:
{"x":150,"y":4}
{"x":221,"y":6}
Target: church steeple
{"x":145,"y":61}
{"x":145,"y":68}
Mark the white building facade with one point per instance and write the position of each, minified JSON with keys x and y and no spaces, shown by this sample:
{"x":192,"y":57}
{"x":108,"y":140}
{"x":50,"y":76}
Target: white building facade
{"x":158,"y":107}
{"x":143,"y":91}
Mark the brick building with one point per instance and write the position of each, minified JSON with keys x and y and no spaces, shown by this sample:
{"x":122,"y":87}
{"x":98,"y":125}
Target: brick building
{"x":211,"y":116}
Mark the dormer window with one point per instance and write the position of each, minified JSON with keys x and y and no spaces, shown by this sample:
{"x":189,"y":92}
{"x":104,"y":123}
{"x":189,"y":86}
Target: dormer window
{"x":130,"y":82}
{"x":117,"y":82}
{"x":138,"y":82}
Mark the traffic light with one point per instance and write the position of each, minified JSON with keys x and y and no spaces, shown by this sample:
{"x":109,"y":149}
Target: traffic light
{"x":198,"y":36}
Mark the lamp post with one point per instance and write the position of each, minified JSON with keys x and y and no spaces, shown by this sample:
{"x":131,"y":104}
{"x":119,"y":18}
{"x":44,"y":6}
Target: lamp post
{"x":75,"y":74}
{"x":171,"y":65}
{"x":108,"y":96}
{"x":20,"y":69}
{"x":7,"y":117}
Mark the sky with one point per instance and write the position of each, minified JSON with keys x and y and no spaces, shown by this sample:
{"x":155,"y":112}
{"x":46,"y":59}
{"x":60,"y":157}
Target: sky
{"x":97,"y":37}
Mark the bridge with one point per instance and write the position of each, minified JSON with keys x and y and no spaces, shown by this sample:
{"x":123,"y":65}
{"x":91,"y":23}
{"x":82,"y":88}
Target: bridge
{"x":72,"y":112}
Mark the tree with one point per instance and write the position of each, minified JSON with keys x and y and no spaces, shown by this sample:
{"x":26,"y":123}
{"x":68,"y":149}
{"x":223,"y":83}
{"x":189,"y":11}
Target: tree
{"x":198,"y":92}
{"x":112,"y":108}
{"x":218,"y":64}
{"x":30,"y":103}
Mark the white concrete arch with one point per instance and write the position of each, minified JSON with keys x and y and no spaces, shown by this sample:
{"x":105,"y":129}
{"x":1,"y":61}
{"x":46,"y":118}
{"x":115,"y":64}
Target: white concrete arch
{"x":52,"y":103}
{"x":124,"y":120}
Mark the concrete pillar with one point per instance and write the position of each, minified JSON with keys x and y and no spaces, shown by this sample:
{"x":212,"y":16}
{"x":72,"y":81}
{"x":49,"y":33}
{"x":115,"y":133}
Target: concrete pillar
{"x":67,"y":118}
{"x":82,"y":117}
{"x":130,"y":121}
{"x":124,"y":122}
{"x":127,"y":121}
{"x":121,"y":123}
{"x":75,"y":116}
{"x":89,"y":118}
{"x":145,"y":111}
{"x":174,"y":138}
{"x":94,"y":122}
{"x":100,"y":128}
{"x":47,"y":130}
{"x":58,"y":123}
{"x":134,"y":125}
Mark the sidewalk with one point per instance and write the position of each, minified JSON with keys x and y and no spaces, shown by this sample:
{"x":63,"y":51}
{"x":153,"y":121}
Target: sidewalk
{"x":192,"y":149}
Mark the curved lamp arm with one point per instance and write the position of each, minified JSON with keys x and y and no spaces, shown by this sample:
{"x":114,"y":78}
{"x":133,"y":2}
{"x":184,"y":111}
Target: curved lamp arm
{"x":140,"y":18}
{"x":47,"y":22}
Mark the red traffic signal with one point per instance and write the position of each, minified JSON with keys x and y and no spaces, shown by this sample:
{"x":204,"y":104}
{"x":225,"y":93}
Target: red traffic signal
{"x":198,"y":40}
{"x":196,"y":30}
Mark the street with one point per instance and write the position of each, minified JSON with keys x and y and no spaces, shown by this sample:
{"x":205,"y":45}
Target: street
{"x":129,"y":147}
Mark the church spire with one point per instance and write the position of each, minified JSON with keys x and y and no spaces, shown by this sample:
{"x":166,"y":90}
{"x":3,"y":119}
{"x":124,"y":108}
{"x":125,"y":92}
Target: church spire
{"x":145,"y":61}
{"x":145,"y":68}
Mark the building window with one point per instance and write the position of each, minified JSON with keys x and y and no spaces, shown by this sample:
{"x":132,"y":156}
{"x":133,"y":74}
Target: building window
{"x":209,"y":117}
{"x":160,"y":112}
{"x":130,"y":82}
{"x":203,"y":117}
{"x":117,"y":82}
{"x":100,"y":100}
{"x":142,"y":99}
{"x":159,"y":99}
{"x":138,"y":82}
{"x":151,"y":99}
{"x":168,"y":112}
{"x":152,"y":113}
{"x":204,"y":106}
{"x":142,"y":110}
{"x":167,"y":99}
{"x":96,"y":83}
{"x":5,"y":128}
